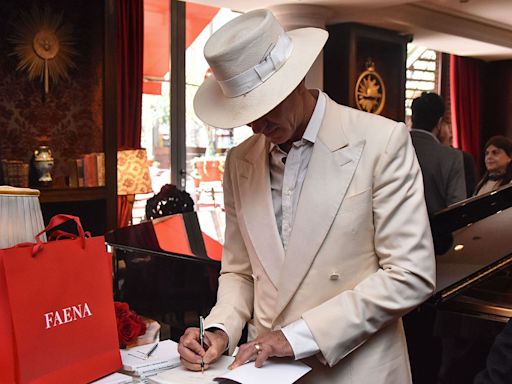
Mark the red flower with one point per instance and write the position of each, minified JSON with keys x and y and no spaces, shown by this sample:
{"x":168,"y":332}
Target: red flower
{"x":129,"y":324}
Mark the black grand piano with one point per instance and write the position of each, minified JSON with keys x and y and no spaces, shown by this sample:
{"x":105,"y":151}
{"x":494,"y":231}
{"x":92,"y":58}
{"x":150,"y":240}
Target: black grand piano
{"x":167,"y":268}
{"x":474,"y":256}
{"x":473,"y":242}
{"x":450,"y":335}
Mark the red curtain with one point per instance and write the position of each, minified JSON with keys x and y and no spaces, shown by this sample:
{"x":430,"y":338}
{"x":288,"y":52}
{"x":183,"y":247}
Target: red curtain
{"x":130,"y":34}
{"x":465,"y":94}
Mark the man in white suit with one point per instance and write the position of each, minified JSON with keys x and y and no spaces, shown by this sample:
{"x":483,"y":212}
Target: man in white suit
{"x":327,"y":236}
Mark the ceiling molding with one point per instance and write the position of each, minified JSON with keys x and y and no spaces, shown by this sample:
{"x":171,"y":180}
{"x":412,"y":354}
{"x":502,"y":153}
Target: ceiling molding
{"x":408,"y":17}
{"x":459,"y":26}
{"x":477,"y":28}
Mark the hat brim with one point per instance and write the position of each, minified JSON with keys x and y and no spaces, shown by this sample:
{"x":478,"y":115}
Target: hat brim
{"x":219,"y":111}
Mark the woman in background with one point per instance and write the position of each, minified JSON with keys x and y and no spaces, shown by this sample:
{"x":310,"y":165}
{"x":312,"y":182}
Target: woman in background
{"x":498,"y":164}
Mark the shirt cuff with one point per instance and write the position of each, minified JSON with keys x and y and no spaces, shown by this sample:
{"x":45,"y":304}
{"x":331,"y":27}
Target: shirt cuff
{"x":301,"y":340}
{"x":220,"y":326}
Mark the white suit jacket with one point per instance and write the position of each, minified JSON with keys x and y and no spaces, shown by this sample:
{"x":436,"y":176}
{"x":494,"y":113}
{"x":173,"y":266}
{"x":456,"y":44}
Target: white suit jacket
{"x":359,"y":256}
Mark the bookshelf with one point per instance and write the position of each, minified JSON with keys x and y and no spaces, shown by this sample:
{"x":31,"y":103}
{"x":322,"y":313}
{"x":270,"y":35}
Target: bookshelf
{"x":56,"y":195}
{"x":96,"y":206}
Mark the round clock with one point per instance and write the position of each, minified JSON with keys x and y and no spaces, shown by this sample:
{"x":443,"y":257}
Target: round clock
{"x":370,"y":92}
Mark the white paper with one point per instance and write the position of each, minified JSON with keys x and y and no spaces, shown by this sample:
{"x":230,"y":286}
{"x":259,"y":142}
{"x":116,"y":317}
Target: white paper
{"x":165,"y":356}
{"x":181,"y":375}
{"x":274,"y":371}
{"x":115,"y":378}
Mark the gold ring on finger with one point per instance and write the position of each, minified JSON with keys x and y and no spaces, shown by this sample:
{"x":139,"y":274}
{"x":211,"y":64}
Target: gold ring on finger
{"x":258,"y":348}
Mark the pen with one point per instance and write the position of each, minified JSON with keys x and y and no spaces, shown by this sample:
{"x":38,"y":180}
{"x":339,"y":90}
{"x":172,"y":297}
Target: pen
{"x":150,"y":352}
{"x":201,"y":339}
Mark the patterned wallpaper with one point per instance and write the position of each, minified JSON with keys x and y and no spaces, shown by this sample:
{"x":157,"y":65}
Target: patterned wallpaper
{"x":71,"y":114}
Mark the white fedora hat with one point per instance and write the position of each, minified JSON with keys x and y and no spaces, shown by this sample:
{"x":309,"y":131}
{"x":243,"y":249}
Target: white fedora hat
{"x":255,"y":66}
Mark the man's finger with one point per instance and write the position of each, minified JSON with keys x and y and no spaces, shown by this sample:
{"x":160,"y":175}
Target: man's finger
{"x":247,"y":352}
{"x":262,"y":354}
{"x":189,"y":348}
{"x":189,"y":354}
{"x":191,"y":344}
{"x":193,"y":366}
{"x":212,"y":355}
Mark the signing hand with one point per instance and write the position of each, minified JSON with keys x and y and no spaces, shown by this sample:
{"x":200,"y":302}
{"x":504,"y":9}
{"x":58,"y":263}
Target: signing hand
{"x":272,"y":344}
{"x":189,"y":348}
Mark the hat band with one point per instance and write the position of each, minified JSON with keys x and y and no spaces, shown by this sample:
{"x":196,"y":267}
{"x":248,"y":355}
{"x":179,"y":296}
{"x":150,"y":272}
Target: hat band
{"x":253,"y":77}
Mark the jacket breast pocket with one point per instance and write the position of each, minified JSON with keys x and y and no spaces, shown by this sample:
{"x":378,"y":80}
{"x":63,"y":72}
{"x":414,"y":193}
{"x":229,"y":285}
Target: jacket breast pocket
{"x":360,"y":201}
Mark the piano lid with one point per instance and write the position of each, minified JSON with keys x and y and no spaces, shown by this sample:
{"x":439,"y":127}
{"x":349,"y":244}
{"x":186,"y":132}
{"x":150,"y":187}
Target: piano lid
{"x":473,"y":240}
{"x":177,"y":236}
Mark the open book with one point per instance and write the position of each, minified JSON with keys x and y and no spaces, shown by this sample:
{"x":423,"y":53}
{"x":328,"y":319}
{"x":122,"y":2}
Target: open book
{"x":274,"y":371}
{"x":136,"y":362}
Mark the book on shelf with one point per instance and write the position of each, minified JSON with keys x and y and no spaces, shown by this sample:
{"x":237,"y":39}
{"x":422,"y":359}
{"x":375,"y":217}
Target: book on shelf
{"x":80,"y":172}
{"x":87,"y":171}
{"x":100,"y":161}
{"x":72,"y":173}
{"x":90,"y":170}
{"x":15,"y":173}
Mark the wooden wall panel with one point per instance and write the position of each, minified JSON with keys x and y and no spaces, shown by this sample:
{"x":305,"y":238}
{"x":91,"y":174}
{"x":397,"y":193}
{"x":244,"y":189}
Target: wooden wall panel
{"x":345,"y":54}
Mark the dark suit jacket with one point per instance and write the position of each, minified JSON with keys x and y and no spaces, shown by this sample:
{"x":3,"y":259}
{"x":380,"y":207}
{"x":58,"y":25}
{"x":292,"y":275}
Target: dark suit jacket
{"x":499,"y":361}
{"x":469,"y":173}
{"x":443,"y":171}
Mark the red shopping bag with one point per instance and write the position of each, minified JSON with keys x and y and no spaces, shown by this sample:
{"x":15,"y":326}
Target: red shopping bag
{"x":57,"y":319}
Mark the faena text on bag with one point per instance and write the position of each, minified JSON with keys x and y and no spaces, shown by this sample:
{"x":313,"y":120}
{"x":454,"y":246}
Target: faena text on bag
{"x":66,"y":315}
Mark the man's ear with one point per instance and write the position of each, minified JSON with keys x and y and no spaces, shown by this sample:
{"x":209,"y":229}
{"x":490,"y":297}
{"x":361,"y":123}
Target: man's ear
{"x":436,"y":131}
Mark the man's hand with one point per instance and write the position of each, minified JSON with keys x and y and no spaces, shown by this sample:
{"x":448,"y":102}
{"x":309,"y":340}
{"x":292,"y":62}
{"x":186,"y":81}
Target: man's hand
{"x":272,"y":344}
{"x":189,"y":348}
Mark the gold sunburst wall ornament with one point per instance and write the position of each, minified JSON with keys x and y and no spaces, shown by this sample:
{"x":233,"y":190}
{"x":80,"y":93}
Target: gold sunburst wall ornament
{"x":370,"y":92}
{"x":43,"y":45}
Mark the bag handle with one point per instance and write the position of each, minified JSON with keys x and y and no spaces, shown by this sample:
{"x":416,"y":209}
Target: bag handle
{"x":55,"y":221}
{"x":59,"y":235}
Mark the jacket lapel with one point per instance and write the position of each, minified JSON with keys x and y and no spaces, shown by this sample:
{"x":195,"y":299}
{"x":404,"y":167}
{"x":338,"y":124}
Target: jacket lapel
{"x":257,"y":210}
{"x":330,"y":172}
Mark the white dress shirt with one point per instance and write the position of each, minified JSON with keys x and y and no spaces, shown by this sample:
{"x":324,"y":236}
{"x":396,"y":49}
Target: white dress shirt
{"x":286,"y":180}
{"x":287,"y":174}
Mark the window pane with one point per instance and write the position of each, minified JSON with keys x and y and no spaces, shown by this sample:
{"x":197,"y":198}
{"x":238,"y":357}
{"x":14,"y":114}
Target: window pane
{"x":155,"y":136}
{"x":206,"y":146}
{"x":421,"y":75}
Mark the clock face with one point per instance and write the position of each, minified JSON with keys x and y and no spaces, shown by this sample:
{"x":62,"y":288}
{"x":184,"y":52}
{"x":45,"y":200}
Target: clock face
{"x":370,"y":93}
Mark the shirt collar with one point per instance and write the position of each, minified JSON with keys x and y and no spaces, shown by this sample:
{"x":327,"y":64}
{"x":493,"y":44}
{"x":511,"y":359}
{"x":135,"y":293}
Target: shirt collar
{"x":427,"y":132}
{"x":311,"y":131}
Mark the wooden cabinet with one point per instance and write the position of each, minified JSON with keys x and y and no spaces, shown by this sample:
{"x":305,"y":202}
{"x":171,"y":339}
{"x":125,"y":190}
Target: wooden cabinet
{"x":56,"y":195}
{"x":345,"y":55}
{"x":89,"y":204}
